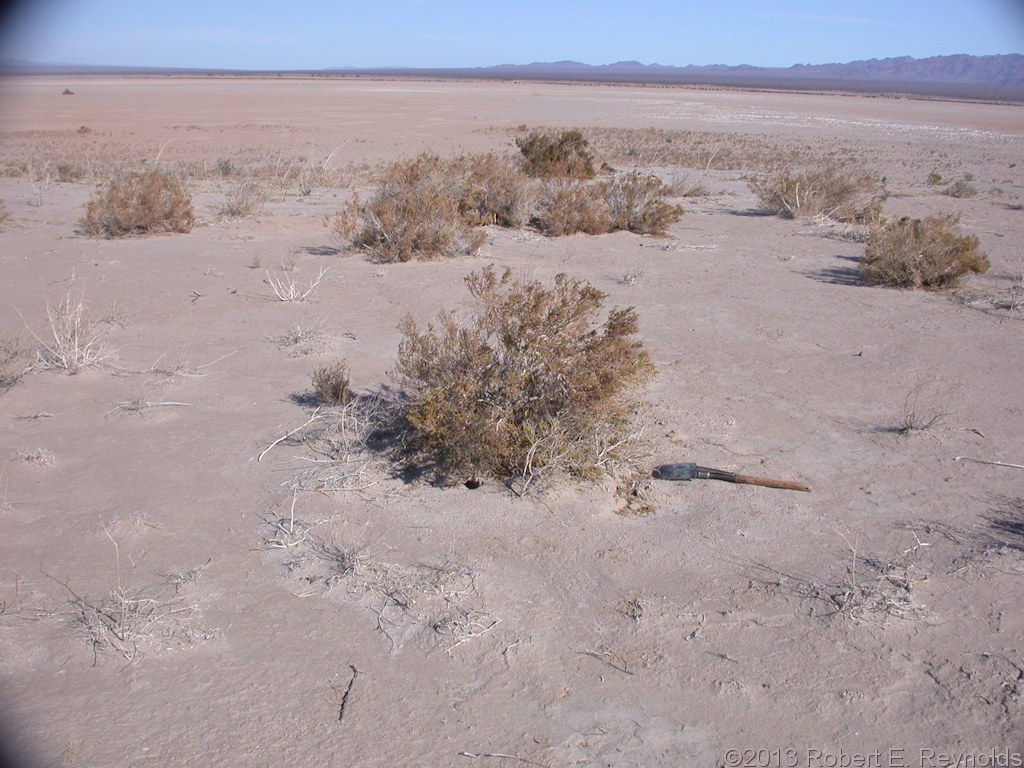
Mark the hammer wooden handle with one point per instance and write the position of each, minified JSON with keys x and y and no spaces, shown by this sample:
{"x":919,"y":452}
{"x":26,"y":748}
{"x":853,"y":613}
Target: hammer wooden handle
{"x":769,"y":483}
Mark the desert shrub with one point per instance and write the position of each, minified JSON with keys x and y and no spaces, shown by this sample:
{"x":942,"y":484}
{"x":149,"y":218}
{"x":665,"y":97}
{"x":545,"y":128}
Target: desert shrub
{"x":331,"y":384}
{"x":961,"y":188}
{"x":532,"y":381}
{"x":934,"y":178}
{"x":549,"y":153}
{"x":838,"y":192}
{"x":69,"y":172}
{"x":636,"y":202}
{"x":244,"y":199}
{"x":139,"y":203}
{"x":413,"y":213}
{"x":5,"y":215}
{"x":915,"y":253}
{"x":15,"y":360}
{"x":494,"y":191}
{"x":567,"y":206}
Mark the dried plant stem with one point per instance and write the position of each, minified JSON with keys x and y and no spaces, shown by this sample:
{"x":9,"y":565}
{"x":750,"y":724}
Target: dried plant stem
{"x":993,"y":463}
{"x":287,"y":289}
{"x":478,"y":755}
{"x":281,"y":439}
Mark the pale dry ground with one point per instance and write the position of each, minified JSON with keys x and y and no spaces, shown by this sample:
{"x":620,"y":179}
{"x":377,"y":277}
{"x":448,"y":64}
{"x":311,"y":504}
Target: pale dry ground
{"x":880,"y":611}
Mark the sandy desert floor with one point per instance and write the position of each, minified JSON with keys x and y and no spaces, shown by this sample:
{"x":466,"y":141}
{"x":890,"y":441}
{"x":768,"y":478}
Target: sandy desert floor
{"x":403,"y":624}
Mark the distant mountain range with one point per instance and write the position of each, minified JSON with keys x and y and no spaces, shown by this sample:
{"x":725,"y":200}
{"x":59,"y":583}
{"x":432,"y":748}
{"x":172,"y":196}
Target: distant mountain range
{"x":999,"y":77}
{"x":1002,"y":70}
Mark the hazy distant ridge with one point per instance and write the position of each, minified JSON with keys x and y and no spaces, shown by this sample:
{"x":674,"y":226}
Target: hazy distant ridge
{"x":998,"y":77}
{"x":1002,"y":69}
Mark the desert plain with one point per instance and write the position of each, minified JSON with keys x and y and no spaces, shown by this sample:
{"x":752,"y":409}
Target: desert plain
{"x":177,"y":588}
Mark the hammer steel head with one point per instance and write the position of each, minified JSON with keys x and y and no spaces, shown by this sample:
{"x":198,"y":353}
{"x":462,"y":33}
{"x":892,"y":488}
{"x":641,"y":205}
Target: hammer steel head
{"x":685,"y":471}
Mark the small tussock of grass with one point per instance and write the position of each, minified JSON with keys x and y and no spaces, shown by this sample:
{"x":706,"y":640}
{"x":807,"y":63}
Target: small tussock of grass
{"x":75,"y":342}
{"x":837,"y":192}
{"x":331,"y":384}
{"x":636,"y":202}
{"x":150,"y":202}
{"x":915,"y":253}
{"x":531,"y":383}
{"x":961,"y":188}
{"x":15,"y":360}
{"x":244,"y":199}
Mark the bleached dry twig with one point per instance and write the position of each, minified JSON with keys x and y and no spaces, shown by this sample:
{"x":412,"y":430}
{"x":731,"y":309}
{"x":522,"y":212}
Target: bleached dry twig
{"x":993,"y":463}
{"x":281,"y":439}
{"x":287,"y":289}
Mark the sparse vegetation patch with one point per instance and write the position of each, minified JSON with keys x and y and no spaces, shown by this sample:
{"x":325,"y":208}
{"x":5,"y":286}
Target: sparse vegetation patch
{"x":15,"y":360}
{"x":532,"y":382}
{"x":139,"y":203}
{"x":915,"y":253}
{"x":636,"y":202}
{"x":833,"y":191}
{"x":547,"y":154}
{"x":415,"y":213}
{"x":331,"y":384}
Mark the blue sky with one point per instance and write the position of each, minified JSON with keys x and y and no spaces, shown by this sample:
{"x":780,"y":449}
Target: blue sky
{"x":314,"y":34}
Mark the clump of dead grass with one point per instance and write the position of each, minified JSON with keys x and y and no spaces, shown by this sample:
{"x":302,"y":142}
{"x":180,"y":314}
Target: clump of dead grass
{"x":130,"y":620}
{"x":244,"y":198}
{"x":874,"y":589}
{"x":533,"y":382}
{"x":149,"y":202}
{"x":636,"y":202}
{"x":74,"y":341}
{"x":331,"y":384}
{"x":960,"y":188}
{"x":915,"y":253}
{"x":438,"y":603}
{"x":341,"y":446}
{"x":832,"y":191}
{"x":300,"y":339}
{"x":286,"y":286}
{"x":42,"y":457}
{"x":15,"y":360}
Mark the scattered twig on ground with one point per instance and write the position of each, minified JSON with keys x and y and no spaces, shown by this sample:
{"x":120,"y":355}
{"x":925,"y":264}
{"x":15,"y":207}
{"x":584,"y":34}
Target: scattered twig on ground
{"x":993,"y":463}
{"x":613,"y":660}
{"x":139,"y":404}
{"x":312,"y":418}
{"x":478,"y":755}
{"x":348,"y":690}
{"x":41,"y":456}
